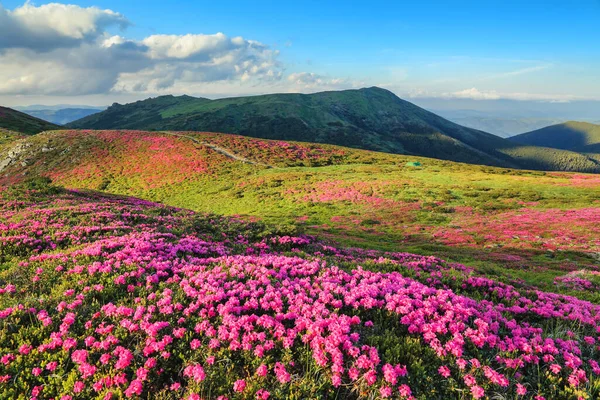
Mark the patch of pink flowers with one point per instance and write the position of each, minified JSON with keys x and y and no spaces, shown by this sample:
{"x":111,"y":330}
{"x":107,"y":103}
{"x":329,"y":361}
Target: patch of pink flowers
{"x":123,"y":302}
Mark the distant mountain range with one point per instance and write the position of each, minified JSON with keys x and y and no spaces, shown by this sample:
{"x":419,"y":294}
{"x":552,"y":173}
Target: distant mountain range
{"x":17,"y":121}
{"x":582,"y":137}
{"x":500,"y":126}
{"x":62,"y":116}
{"x":504,"y":117}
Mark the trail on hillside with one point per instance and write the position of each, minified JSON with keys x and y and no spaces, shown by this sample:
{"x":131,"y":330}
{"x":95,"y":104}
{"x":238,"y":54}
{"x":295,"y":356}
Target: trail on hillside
{"x":219,"y":149}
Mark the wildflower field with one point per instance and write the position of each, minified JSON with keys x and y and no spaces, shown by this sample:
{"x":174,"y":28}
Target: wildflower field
{"x":505,"y":223}
{"x":109,"y":297}
{"x":335,"y":273}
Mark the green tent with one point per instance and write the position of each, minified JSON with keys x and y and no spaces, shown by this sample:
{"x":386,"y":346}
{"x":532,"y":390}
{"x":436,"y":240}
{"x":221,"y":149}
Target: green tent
{"x":413,"y":164}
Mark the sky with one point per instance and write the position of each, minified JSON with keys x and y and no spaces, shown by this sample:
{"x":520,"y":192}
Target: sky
{"x":97,"y":52}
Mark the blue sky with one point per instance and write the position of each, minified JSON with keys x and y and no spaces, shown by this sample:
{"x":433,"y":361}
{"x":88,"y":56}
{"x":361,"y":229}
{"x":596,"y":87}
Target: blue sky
{"x":483,"y":50}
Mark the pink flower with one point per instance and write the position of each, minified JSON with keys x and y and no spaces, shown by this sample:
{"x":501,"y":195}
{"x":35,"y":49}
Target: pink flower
{"x":281,"y":373}
{"x":135,"y":388}
{"x":262,"y":370}
{"x":195,"y":372}
{"x":239,"y":385}
{"x":385,"y":391}
{"x":469,"y":380}
{"x":51,"y":366}
{"x":521,"y":390}
{"x":444,"y":371}
{"x":404,"y":390}
{"x":262,"y":394}
{"x":477,"y":392}
{"x":78,"y":387}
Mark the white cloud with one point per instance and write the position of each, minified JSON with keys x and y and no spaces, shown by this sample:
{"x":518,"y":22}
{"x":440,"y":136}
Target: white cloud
{"x":54,"y":25}
{"x":474,"y":94}
{"x":59,"y":49}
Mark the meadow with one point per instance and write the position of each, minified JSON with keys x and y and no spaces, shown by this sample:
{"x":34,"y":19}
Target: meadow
{"x":334,"y":273}
{"x":110,"y":297}
{"x":503,"y":222}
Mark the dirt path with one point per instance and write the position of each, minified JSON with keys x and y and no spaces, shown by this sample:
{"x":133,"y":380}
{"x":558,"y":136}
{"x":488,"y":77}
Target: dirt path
{"x":219,"y":149}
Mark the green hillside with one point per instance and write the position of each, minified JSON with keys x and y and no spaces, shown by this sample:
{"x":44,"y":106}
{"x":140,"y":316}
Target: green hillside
{"x":582,"y":137}
{"x":373,"y":119}
{"x":20,"y":122}
{"x":504,"y":221}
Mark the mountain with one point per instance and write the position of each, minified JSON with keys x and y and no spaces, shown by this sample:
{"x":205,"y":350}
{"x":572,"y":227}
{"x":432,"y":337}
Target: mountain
{"x":503,"y":126}
{"x":371,"y":118}
{"x":64,"y":115}
{"x":576,"y":136}
{"x":17,"y":121}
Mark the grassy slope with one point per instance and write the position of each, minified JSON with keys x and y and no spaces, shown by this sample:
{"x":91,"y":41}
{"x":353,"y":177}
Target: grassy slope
{"x":20,"y":122}
{"x":359,"y":198}
{"x":577,"y":136}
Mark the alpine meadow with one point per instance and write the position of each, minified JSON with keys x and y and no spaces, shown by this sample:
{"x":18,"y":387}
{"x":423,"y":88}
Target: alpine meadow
{"x":255,"y":200}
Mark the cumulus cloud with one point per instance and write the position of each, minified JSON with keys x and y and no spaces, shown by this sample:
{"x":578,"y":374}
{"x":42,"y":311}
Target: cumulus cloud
{"x":54,"y":25}
{"x":59,"y":49}
{"x":193,"y":59}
